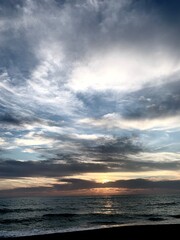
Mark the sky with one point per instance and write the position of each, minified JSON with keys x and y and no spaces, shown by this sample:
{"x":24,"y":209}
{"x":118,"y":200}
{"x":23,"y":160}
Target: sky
{"x":89,"y":97}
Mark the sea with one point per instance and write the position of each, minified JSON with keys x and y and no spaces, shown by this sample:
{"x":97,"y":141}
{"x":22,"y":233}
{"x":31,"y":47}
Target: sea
{"x":25,"y":216}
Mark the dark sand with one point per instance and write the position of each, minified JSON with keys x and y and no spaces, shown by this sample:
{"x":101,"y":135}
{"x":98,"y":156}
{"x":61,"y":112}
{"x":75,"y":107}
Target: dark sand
{"x":167,"y":231}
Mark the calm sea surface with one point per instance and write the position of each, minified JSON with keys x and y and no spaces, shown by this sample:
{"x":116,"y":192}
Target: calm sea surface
{"x":39,"y":215}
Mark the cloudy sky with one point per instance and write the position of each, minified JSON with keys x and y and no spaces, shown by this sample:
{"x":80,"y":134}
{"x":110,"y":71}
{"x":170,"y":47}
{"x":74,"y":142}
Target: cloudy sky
{"x":89,"y":97}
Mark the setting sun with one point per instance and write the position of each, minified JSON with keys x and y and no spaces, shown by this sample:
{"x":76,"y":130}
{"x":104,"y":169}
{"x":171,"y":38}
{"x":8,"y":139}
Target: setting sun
{"x":105,"y":180}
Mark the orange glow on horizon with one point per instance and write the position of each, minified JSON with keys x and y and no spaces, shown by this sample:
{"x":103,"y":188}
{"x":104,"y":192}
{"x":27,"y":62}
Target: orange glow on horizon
{"x":91,"y":192}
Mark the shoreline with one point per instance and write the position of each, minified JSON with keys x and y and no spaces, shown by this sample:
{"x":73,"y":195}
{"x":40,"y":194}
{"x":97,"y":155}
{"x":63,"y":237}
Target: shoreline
{"x":124,"y":232}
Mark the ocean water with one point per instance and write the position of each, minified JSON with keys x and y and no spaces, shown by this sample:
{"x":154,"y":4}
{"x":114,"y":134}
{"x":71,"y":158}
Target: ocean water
{"x":39,"y":215}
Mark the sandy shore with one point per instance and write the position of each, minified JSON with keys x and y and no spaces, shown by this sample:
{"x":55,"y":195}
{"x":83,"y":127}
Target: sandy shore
{"x":124,"y":233}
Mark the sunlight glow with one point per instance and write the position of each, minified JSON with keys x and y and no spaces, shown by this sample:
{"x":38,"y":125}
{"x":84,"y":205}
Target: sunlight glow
{"x":105,"y":180}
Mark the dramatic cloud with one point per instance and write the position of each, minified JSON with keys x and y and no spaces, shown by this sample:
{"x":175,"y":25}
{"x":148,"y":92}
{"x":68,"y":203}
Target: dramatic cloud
{"x":89,"y":87}
{"x":73,"y":186}
{"x":11,"y":169}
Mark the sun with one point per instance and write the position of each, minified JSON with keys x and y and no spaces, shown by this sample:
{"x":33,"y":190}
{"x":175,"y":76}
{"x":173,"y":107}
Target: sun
{"x":105,"y":180}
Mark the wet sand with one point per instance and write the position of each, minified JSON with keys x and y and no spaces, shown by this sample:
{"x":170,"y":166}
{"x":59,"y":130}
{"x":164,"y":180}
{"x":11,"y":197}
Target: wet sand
{"x":167,"y":231}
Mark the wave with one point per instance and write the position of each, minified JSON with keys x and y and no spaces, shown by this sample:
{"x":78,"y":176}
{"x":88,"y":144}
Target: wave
{"x":83,"y":214}
{"x":156,"y":219}
{"x":22,"y":220}
{"x":65,"y":215}
{"x":51,"y":216}
{"x":22,"y":210}
{"x":106,"y":222}
{"x":92,"y":218}
{"x":175,"y":216}
{"x":37,"y":219}
{"x":146,"y":215}
{"x":163,"y":204}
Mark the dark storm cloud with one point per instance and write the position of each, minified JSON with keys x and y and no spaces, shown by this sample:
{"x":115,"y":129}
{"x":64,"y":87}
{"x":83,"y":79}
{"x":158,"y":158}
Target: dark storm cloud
{"x":122,"y":146}
{"x":146,"y":184}
{"x":31,"y":191}
{"x":80,"y":184}
{"x":102,"y":149}
{"x":76,"y":184}
{"x":110,"y":155}
{"x":130,"y":165}
{"x":16,"y":169}
{"x":54,"y":168}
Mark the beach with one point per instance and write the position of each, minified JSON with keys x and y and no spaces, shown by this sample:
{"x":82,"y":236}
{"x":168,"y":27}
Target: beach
{"x":124,"y":232}
{"x":68,"y":217}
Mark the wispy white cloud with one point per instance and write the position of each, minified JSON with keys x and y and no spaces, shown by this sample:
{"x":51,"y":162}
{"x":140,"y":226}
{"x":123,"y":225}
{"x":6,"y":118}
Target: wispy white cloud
{"x":26,"y":182}
{"x":122,"y":70}
{"x":114,"y":120}
{"x":33,"y":141}
{"x":157,"y":157}
{"x":91,"y":136}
